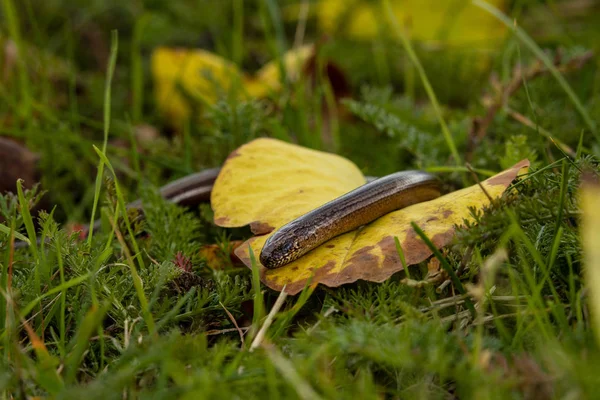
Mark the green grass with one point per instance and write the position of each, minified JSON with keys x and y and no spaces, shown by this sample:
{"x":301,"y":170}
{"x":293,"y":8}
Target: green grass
{"x":119,"y":315}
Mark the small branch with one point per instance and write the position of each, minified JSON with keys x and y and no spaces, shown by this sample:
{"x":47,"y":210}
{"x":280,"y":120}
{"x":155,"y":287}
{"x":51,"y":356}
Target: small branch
{"x":530,"y":124}
{"x":503,"y":93}
{"x":234,"y":323}
{"x":301,"y":27}
{"x":490,"y":198}
{"x":222,"y":331}
{"x":269,"y":320}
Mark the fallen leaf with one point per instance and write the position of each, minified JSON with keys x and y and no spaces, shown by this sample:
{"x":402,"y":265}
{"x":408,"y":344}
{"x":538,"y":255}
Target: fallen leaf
{"x":180,"y":74}
{"x":186,"y":76}
{"x":445,"y":22}
{"x":267,"y":183}
{"x":433,"y":267}
{"x":269,"y":76}
{"x":217,"y":258}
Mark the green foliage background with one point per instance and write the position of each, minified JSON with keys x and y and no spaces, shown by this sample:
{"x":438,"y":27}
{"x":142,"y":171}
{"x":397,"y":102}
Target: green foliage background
{"x":119,"y":317}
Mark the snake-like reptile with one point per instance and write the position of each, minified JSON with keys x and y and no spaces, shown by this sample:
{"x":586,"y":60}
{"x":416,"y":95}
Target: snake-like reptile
{"x":346,"y":213}
{"x":343,"y":214}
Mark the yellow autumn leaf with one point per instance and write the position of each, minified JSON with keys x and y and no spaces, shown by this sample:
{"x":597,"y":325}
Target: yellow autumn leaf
{"x":293,"y":63}
{"x":449,"y":22}
{"x":197,"y":73}
{"x":184,"y":75}
{"x":267,"y":183}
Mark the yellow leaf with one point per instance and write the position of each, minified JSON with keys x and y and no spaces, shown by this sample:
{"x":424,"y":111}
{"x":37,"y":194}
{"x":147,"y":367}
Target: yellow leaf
{"x":198,"y":74}
{"x":293,"y":61}
{"x":267,"y":183}
{"x":181,"y":75}
{"x":590,"y":233}
{"x":449,"y":22}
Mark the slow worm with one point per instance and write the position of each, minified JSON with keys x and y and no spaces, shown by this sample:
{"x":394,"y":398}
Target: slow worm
{"x":347,"y":212}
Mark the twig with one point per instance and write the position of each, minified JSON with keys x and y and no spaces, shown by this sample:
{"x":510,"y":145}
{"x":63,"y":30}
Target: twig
{"x":301,"y":27}
{"x":443,"y":286}
{"x":50,"y":303}
{"x":470,"y":168}
{"x":465,"y":260}
{"x":221,"y":331}
{"x":480,"y":124}
{"x":530,"y":124}
{"x":234,"y":323}
{"x":269,"y":320}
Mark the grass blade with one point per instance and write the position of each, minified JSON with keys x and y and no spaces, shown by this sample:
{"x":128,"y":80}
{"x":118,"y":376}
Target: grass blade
{"x":80,"y":342}
{"x":259,"y":301}
{"x":27,"y":220}
{"x":286,"y":368}
{"x":6,"y":229}
{"x":68,"y":284}
{"x":112,"y":62}
{"x":137,"y":70}
{"x":447,"y":267}
{"x":237,"y":44}
{"x":398,"y":31}
{"x":12,"y":23}
{"x":137,"y":280}
{"x":590,"y":233}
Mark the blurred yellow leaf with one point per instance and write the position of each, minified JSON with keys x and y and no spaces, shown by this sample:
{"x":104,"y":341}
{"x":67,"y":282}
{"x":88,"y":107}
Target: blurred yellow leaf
{"x":198,"y":74}
{"x":293,"y":61}
{"x":185,"y":76}
{"x":449,"y":22}
{"x":590,"y":234}
{"x":267,"y":183}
